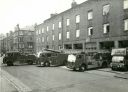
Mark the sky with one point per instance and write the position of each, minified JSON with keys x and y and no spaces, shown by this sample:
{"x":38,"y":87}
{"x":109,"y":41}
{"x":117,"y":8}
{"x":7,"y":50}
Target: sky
{"x":29,"y":12}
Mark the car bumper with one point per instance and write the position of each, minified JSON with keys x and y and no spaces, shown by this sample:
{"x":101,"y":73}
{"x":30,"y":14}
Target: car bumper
{"x":117,"y":65}
{"x":71,"y":65}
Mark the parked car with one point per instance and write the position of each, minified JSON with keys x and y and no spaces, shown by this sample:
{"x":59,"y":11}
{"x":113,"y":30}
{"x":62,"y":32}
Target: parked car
{"x":15,"y":57}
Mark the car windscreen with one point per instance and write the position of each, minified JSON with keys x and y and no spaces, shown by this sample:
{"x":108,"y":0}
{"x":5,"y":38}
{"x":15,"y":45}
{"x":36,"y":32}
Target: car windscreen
{"x":71,"y":58}
{"x":117,"y":58}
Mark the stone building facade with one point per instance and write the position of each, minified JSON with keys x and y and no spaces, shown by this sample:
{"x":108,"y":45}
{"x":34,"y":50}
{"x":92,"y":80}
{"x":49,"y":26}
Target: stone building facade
{"x":22,"y":39}
{"x":91,"y":26}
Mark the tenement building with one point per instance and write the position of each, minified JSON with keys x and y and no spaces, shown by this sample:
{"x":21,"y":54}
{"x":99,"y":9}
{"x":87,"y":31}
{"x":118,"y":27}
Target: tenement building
{"x":23,"y":40}
{"x":90,"y":26}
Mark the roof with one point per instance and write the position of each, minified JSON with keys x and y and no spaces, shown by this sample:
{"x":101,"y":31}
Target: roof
{"x":78,"y":5}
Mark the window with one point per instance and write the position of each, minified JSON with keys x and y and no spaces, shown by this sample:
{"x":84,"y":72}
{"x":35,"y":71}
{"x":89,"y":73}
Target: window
{"x":68,"y":35}
{"x":36,"y":39}
{"x":21,"y":39}
{"x":77,"y":33}
{"x":59,"y":24}
{"x":59,"y":36}
{"x":20,"y":32}
{"x":31,"y":38}
{"x":42,"y":39}
{"x":39,"y":40}
{"x":47,"y":28}
{"x":106,"y":28}
{"x":90,"y":15}
{"x":125,"y":4}
{"x":47,"y":38}
{"x":60,"y":47}
{"x":21,"y":45}
{"x":29,"y":33}
{"x":53,"y":26}
{"x":36,"y":32}
{"x":90,"y":31}
{"x":30,"y":45}
{"x":39,"y":31}
{"x":77,"y":18}
{"x":68,"y":22}
{"x":53,"y":37}
{"x":42,"y":30}
{"x":125,"y":24}
{"x":106,"y":9}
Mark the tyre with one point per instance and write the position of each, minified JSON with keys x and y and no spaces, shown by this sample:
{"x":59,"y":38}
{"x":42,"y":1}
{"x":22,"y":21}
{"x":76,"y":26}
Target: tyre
{"x":74,"y":69}
{"x":113,"y":68}
{"x":9,"y":63}
{"x":104,"y":65}
{"x":125,"y":68}
{"x":30,"y":62}
{"x":47,"y":64}
{"x":82,"y":68}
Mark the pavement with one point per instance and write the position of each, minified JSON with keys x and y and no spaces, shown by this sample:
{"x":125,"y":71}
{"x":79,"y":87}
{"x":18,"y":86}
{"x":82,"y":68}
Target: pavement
{"x":5,"y":84}
{"x":117,"y":74}
{"x":123,"y":76}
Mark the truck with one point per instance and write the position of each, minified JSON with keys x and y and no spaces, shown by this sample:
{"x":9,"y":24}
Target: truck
{"x":15,"y":57}
{"x":84,"y":61}
{"x":119,"y":59}
{"x":50,"y":57}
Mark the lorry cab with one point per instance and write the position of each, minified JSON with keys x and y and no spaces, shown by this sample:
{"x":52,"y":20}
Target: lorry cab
{"x":52,"y":58}
{"x":77,"y":62}
{"x":119,"y":59}
{"x":44,"y":58}
{"x":84,"y":61}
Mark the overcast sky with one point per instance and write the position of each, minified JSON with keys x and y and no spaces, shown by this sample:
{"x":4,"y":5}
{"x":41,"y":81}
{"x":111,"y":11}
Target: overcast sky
{"x":29,"y":12}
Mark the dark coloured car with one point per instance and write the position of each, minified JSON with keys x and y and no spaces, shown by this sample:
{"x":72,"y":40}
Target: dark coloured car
{"x":15,"y":57}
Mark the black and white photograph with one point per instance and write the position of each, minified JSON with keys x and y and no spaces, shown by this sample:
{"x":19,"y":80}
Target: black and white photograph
{"x":63,"y":45}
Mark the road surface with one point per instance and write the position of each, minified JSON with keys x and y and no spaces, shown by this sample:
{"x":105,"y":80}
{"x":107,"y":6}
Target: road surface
{"x":61,"y":79}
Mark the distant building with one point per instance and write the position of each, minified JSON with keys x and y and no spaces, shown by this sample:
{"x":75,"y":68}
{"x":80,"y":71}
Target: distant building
{"x":2,"y":44}
{"x":23,"y":40}
{"x":91,"y":26}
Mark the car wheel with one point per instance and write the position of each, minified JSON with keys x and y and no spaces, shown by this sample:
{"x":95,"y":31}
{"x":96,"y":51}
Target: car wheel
{"x":104,"y":65}
{"x":47,"y":64}
{"x":74,"y":69}
{"x":9,"y":63}
{"x":30,"y":62}
{"x":113,"y":69}
{"x":82,"y":68}
{"x":125,"y":68}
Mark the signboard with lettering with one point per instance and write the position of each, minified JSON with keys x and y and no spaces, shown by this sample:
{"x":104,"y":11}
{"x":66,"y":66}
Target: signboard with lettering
{"x":120,"y":51}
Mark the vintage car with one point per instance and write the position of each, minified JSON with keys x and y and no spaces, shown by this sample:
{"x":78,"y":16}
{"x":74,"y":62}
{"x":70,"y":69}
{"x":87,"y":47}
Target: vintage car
{"x":16,"y":57}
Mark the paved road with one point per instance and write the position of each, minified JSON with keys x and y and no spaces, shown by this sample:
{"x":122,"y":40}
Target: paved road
{"x":60,"y":79}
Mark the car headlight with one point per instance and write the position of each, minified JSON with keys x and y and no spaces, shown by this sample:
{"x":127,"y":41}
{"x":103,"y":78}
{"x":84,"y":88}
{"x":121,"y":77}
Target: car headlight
{"x":42,"y":63}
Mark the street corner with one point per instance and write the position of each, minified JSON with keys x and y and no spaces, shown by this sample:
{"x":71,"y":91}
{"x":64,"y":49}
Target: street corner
{"x":123,"y":75}
{"x":6,"y":86}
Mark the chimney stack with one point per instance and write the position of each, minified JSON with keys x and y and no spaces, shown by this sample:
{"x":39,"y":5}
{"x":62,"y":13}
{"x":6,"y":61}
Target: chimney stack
{"x":53,"y":14}
{"x":74,"y":4}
